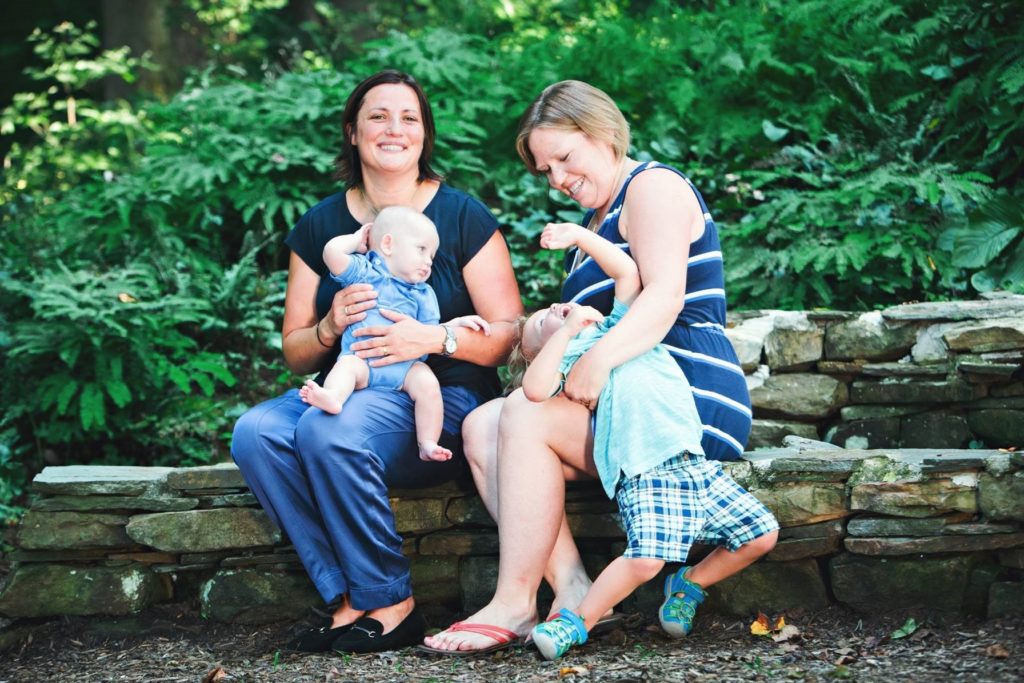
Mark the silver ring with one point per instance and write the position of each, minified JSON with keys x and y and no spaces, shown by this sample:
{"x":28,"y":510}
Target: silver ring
{"x":346,"y":311}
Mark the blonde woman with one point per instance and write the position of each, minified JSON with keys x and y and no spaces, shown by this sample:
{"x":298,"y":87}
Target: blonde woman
{"x":521,"y":453}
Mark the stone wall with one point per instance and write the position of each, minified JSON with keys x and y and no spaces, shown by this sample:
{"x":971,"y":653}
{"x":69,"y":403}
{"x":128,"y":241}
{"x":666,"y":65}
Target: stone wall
{"x":893,"y":519}
{"x":926,"y":375}
{"x":872,"y":529}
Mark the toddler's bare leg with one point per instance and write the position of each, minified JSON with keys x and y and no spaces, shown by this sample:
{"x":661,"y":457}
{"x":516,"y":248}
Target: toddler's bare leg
{"x":615,"y":583}
{"x":347,"y":375}
{"x":723,"y":563}
{"x":425,"y":391}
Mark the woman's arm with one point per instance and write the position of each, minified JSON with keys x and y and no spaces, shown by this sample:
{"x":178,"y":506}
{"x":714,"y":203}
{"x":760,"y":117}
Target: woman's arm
{"x":494,"y":292}
{"x":304,"y":351}
{"x":659,"y":216}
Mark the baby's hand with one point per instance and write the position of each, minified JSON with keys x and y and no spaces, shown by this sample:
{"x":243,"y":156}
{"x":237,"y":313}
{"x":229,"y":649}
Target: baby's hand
{"x":582,"y":316}
{"x":560,"y":235}
{"x":473,"y":322}
{"x":363,"y":237}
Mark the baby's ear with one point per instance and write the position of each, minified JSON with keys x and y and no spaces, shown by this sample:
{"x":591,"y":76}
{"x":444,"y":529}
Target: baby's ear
{"x":387,"y":243}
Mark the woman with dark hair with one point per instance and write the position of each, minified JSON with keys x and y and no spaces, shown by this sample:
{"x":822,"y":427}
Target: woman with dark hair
{"x":324,"y":478}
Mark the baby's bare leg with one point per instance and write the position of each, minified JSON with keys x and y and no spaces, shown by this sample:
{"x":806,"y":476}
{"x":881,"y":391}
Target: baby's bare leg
{"x":425,"y":391}
{"x":347,"y":375}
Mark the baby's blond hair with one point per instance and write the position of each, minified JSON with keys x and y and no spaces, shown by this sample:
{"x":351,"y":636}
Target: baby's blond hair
{"x":397,"y":220}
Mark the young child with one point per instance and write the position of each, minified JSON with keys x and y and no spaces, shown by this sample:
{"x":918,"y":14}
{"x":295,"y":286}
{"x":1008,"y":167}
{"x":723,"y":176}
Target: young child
{"x":647,"y":451}
{"x":402,"y":243}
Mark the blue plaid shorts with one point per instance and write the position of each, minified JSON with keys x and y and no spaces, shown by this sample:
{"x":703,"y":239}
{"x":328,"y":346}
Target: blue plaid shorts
{"x":685,"y":500}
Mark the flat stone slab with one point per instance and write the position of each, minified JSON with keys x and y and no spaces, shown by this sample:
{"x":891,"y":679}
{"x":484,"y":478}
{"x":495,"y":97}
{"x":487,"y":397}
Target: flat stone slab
{"x":797,"y":504}
{"x":936,"y":544}
{"x":153,"y":503}
{"x":47,"y":590}
{"x":68,"y":530}
{"x":880,"y":585}
{"x":957,"y":310}
{"x":914,"y":499}
{"x":204,"y":530}
{"x":85,"y":480}
{"x":768,"y":587}
{"x":886,"y":526}
{"x":221,"y":476}
{"x":254,"y":596}
{"x":1006,"y":599}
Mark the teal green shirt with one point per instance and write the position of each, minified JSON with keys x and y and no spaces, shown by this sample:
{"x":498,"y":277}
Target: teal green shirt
{"x":646,"y":412}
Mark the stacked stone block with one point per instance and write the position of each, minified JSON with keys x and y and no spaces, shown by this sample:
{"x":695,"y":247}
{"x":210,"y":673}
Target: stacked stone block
{"x":913,"y":376}
{"x":872,"y":529}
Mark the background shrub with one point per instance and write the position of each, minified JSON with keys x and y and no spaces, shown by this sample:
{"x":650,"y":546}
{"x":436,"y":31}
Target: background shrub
{"x":855,"y":153}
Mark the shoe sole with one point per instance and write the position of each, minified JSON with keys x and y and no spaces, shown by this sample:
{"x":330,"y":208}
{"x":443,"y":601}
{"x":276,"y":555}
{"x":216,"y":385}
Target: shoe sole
{"x":546,"y":646}
{"x":673,"y":628}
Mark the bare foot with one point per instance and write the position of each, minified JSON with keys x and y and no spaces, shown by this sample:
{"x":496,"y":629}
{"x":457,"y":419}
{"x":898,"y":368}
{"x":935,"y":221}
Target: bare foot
{"x":431,"y":452}
{"x":492,"y":615}
{"x":315,"y":395}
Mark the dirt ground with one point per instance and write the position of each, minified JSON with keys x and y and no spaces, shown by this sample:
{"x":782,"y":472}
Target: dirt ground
{"x":171,"y":643}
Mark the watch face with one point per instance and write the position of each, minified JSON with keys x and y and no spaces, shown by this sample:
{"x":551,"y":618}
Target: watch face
{"x":449,"y":346}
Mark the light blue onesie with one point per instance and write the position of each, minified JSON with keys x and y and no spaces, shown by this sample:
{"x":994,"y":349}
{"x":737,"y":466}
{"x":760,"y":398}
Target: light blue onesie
{"x":415,"y":300}
{"x":645,"y":414}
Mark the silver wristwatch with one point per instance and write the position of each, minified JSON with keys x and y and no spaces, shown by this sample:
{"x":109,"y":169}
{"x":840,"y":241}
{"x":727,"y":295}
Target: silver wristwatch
{"x":450,"y":342}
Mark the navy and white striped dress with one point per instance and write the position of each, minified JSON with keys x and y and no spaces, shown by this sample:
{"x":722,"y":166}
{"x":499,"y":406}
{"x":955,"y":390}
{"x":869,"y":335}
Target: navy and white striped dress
{"x":697,"y":341}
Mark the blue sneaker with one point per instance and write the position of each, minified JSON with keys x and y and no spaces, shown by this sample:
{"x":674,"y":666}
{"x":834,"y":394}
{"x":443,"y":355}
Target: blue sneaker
{"x":682,"y":597}
{"x":555,"y":636}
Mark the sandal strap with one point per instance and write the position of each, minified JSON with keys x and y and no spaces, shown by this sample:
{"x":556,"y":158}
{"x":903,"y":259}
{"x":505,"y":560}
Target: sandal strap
{"x":577,"y":623}
{"x":692,"y":591}
{"x":502,"y":635}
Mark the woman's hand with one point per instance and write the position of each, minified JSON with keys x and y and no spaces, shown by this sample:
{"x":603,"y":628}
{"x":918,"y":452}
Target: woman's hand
{"x":349,"y":306}
{"x":407,"y":339}
{"x":587,"y":380}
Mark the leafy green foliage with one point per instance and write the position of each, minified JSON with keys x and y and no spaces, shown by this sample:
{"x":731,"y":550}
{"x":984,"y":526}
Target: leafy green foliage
{"x":855,"y":153}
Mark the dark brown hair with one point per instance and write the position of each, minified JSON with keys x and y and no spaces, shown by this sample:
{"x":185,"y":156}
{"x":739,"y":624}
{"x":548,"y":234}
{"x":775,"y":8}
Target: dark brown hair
{"x":347,"y":166}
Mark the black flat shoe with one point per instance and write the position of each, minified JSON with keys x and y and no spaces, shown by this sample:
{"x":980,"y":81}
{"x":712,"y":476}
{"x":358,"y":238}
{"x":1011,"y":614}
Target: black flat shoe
{"x":317,"y":639}
{"x":365,"y":635}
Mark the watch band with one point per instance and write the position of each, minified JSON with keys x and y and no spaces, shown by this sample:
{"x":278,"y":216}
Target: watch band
{"x":450,"y":344}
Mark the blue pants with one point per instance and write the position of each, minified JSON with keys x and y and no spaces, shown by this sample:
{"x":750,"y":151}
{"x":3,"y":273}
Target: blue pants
{"x":323,"y":479}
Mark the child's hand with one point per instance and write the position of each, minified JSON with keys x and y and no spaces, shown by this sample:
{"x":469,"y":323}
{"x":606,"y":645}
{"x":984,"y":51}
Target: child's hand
{"x":560,"y":235}
{"x":581,"y":317}
{"x":473,"y":322}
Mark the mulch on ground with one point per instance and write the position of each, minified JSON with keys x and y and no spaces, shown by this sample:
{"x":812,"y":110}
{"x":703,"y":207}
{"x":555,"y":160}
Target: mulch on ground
{"x":172,"y":643}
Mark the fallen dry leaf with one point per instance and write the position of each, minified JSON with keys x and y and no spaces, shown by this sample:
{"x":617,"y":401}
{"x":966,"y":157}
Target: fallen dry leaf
{"x":786,"y":633}
{"x":997,"y":651}
{"x":218,"y":674}
{"x":573,"y":671}
{"x":126,"y":298}
{"x":761,"y":626}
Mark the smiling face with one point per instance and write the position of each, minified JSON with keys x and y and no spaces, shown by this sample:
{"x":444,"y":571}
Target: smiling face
{"x":582,"y":168}
{"x":541,"y":325}
{"x":388,"y":131}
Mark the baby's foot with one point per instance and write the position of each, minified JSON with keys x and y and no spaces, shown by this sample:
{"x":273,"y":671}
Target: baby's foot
{"x":430,"y":451}
{"x":315,"y":395}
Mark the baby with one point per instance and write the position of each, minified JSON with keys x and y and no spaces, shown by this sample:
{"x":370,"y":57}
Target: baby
{"x":399,"y":249}
{"x":647,"y":452}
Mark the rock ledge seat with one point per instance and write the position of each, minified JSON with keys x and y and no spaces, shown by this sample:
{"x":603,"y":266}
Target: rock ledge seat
{"x":876,"y":530}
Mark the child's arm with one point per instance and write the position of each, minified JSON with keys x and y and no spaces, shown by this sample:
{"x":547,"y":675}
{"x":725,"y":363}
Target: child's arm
{"x":619,"y":266}
{"x":337,"y":249}
{"x":543,"y":378}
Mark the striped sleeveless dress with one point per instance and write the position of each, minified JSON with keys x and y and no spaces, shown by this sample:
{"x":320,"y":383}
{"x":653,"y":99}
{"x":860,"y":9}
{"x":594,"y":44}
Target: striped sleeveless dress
{"x":697,"y":341}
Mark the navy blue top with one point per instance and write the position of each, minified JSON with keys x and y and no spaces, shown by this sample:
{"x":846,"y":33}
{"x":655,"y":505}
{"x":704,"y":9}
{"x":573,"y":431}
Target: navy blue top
{"x":464,"y":225}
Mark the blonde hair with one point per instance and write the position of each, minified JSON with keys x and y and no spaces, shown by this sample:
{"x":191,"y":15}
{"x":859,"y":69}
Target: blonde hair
{"x":517,"y":360}
{"x":397,"y":219}
{"x":573,"y":105}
